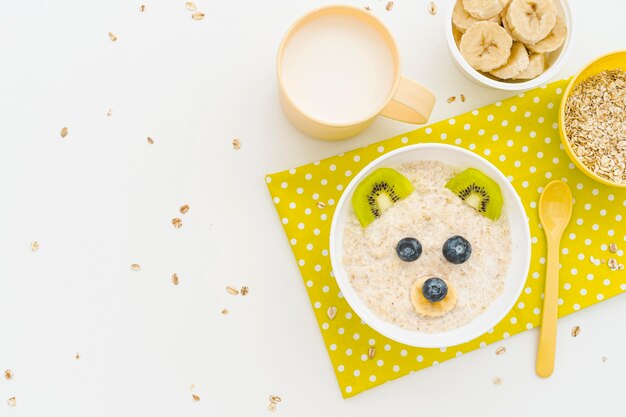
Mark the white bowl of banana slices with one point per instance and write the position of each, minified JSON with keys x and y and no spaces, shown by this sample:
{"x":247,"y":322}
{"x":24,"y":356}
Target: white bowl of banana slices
{"x":509,"y":44}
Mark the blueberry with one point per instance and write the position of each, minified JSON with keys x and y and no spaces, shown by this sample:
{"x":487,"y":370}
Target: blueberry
{"x":434,"y":289}
{"x":457,"y":250}
{"x":409,"y":249}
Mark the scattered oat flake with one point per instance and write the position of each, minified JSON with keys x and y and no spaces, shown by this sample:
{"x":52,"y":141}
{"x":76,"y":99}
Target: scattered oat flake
{"x":64,"y":132}
{"x":575,"y":331}
{"x":368,"y":8}
{"x":225,"y":311}
{"x":620,"y":267}
{"x":389,"y":5}
{"x":175,"y":278}
{"x":497,"y":381}
{"x":604,"y":359}
{"x":8,"y":375}
{"x":331,"y":312}
{"x":195,"y":398}
{"x":451,"y":99}
{"x":109,"y":112}
{"x":244,"y":290}
{"x":192,"y":387}
{"x":432,"y":8}
{"x":184,"y":208}
{"x":462,"y":98}
{"x":197,"y":16}
{"x":77,"y":356}
{"x":236,"y":144}
{"x":232,"y":291}
{"x":34,"y":246}
{"x":112,"y":36}
{"x":501,"y":350}
{"x":371,"y":352}
{"x":178,"y":223}
{"x":613,"y":248}
{"x":150,"y":140}
{"x":271,"y":407}
{"x":275,"y":399}
{"x":142,"y":8}
{"x":12,"y":402}
{"x":135,"y":267}
{"x":613,"y":265}
{"x":321,"y":205}
{"x":191,"y":6}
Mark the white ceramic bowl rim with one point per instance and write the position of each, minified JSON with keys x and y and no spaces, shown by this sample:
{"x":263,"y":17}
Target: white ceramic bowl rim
{"x":498,"y":309}
{"x":551,"y":72}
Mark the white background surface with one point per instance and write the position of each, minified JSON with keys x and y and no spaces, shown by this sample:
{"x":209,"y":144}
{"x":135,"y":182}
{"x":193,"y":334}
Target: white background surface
{"x":103,"y":198}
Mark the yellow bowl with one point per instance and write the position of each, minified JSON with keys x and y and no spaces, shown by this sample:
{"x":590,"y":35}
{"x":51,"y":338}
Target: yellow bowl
{"x":614,"y":60}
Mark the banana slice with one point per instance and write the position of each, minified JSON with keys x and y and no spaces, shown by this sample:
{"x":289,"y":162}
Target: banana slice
{"x":531,"y":20}
{"x":486,"y":46}
{"x":518,"y":61}
{"x":536,"y":67}
{"x":484,"y":9}
{"x":463,"y":20}
{"x":553,"y":41}
{"x":428,"y":309}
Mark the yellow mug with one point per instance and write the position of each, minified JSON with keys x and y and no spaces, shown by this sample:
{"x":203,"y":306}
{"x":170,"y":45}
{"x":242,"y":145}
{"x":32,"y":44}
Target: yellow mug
{"x":338,"y":68}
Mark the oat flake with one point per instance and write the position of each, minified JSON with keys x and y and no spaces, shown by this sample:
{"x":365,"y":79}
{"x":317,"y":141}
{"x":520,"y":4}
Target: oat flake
{"x":34,"y":246}
{"x":232,"y":291}
{"x":389,"y":5}
{"x":184,"y":208}
{"x":191,"y":6}
{"x":112,"y":37}
{"x":8,"y":375}
{"x":501,"y":350}
{"x":12,"y":402}
{"x":462,"y":98}
{"x":575,"y":331}
{"x":497,"y":381}
{"x":321,"y":205}
{"x":197,"y":16}
{"x":613,"y":265}
{"x":195,"y":398}
{"x":236,"y":144}
{"x":175,"y":278}
{"x":331,"y":312}
{"x":451,"y":99}
{"x":178,"y":223}
{"x":150,"y":140}
{"x":142,"y":8}
{"x":225,"y":311}
{"x":135,"y":267}
{"x":64,"y":132}
{"x":244,"y":290}
{"x":613,"y":248}
{"x":371,"y":352}
{"x":432,"y":8}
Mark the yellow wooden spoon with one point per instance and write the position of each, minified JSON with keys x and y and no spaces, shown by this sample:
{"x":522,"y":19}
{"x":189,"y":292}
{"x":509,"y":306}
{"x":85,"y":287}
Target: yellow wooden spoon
{"x":555,"y":210}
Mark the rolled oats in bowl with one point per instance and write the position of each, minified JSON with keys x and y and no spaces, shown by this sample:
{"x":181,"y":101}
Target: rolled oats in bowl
{"x":595,"y":124}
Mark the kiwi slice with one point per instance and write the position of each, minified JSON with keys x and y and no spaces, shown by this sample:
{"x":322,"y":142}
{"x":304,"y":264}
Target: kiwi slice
{"x":478,"y":191}
{"x":377,"y":192}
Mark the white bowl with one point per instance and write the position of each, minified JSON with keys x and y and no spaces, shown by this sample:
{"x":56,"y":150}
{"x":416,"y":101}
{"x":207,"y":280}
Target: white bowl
{"x":520,"y":238}
{"x":554,"y":60}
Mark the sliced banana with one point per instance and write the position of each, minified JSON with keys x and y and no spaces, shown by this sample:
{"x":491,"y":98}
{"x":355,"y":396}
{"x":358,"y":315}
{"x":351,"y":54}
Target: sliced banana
{"x":518,"y":61}
{"x":425,"y":307}
{"x":536,"y":67}
{"x":484,"y":9}
{"x":553,"y":41}
{"x":486,"y":46}
{"x":531,"y":20}
{"x":463,"y":20}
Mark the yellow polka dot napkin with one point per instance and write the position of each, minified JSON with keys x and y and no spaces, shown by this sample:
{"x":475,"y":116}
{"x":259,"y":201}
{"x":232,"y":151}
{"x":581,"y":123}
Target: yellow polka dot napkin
{"x":520,"y":136}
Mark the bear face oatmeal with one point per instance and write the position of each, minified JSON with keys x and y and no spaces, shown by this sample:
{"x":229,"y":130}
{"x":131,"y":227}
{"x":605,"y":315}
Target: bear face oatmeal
{"x":418,"y":255}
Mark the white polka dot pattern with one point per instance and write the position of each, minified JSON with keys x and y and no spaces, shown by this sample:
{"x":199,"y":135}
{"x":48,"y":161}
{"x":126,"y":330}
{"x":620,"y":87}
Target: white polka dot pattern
{"x":520,"y":137}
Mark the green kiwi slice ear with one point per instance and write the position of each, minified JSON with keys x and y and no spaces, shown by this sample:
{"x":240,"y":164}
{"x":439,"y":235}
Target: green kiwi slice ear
{"x":478,"y":191}
{"x":377,"y":192}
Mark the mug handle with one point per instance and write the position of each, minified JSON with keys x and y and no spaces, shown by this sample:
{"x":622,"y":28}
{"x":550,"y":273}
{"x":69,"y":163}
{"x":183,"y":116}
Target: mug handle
{"x":411,"y":103}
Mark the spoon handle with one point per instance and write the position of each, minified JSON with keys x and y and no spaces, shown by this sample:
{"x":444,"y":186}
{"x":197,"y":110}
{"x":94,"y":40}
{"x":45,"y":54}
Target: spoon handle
{"x":547,"y":338}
